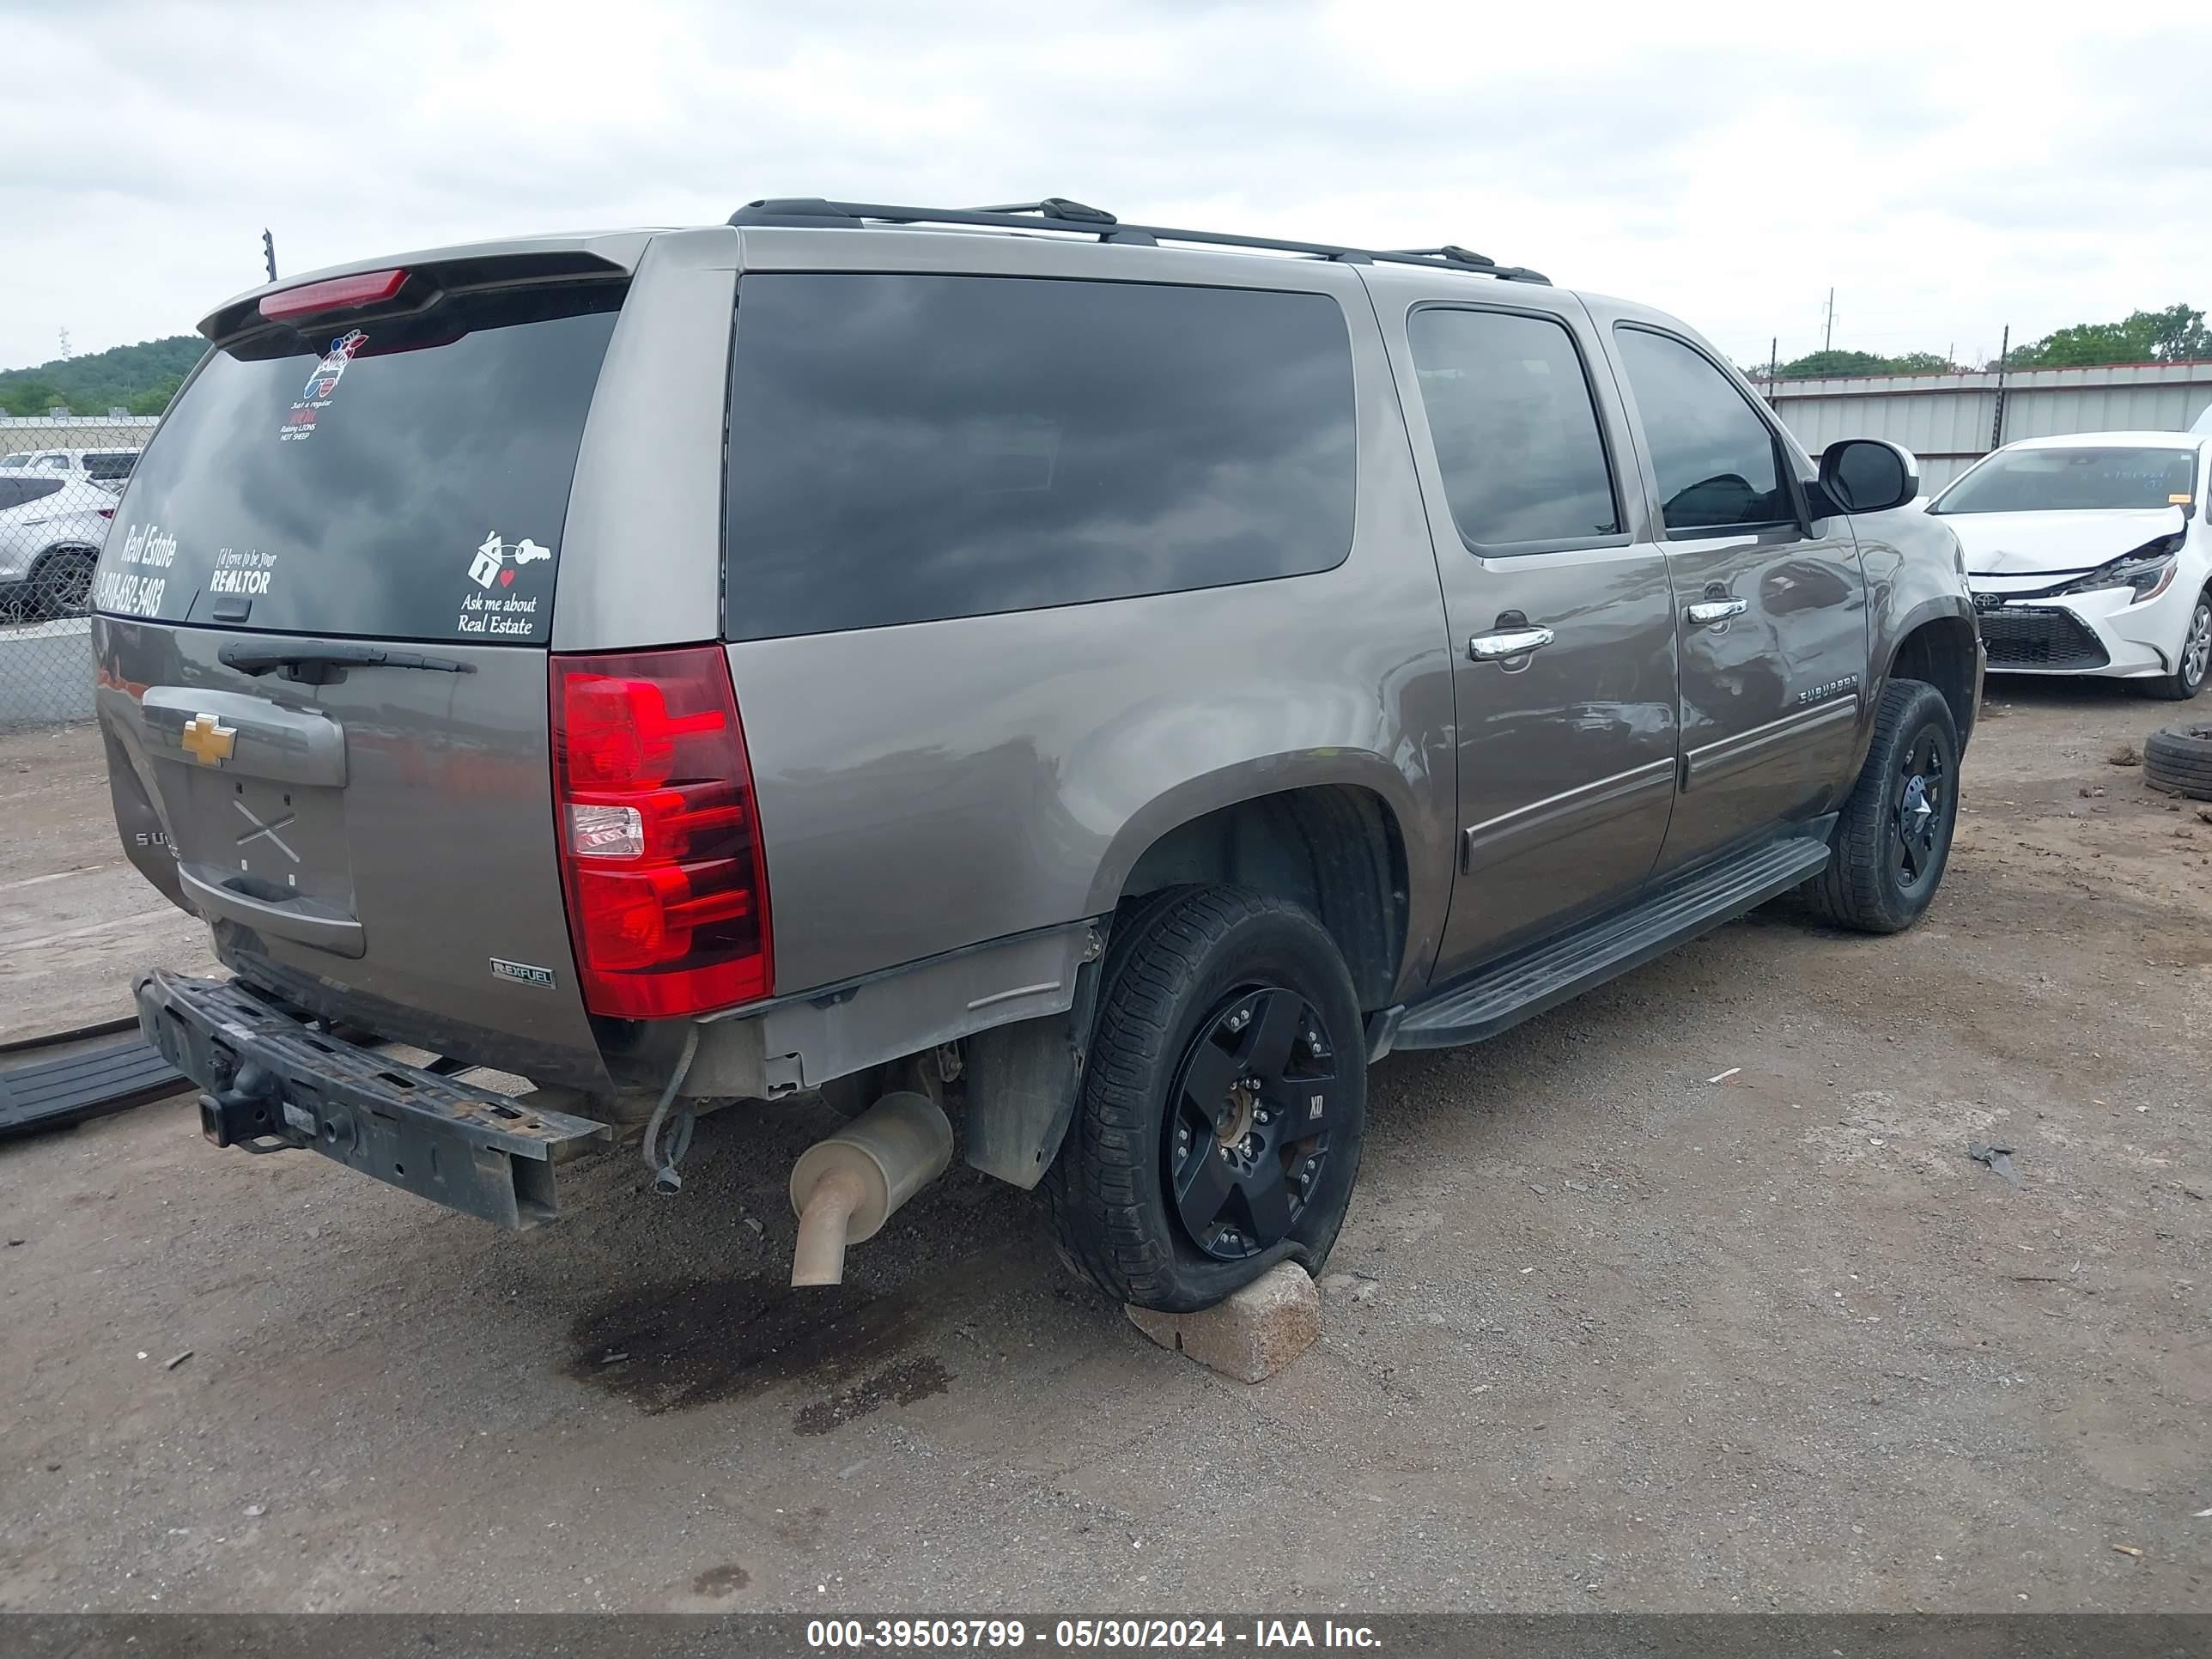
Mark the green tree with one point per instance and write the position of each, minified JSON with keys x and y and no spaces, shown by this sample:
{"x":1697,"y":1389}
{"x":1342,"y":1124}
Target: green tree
{"x":124,"y":377}
{"x":1840,"y":362}
{"x":2174,"y":335}
{"x":29,"y":397}
{"x":155,"y":398}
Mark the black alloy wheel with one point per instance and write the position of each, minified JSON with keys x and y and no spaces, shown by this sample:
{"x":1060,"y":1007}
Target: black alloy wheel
{"x":1920,"y":815}
{"x":1247,"y":1139}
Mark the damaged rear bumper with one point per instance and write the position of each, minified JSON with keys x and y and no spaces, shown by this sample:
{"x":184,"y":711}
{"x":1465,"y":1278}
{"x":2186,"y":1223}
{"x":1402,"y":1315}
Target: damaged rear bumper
{"x":273,"y":1081}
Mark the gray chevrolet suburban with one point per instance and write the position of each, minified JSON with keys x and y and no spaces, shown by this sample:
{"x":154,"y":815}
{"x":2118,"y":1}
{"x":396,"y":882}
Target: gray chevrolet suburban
{"x":1099,"y":683}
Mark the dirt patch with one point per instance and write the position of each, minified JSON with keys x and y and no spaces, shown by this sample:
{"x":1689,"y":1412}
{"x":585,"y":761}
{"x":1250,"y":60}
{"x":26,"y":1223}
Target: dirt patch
{"x":901,"y":1384}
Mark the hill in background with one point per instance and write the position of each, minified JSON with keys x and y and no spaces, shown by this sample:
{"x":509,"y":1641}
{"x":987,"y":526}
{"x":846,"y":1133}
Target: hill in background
{"x":140,"y":379}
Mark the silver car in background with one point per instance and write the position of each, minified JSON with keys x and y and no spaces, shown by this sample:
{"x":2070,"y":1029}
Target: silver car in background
{"x":51,"y":525}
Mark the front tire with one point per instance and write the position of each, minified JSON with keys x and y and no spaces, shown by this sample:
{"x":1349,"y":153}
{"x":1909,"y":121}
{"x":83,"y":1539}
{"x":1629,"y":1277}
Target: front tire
{"x":1224,"y":1102}
{"x":2194,"y":661}
{"x":1893,"y":838}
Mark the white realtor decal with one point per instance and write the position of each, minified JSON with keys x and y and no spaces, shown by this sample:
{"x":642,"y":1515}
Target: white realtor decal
{"x":495,"y":568}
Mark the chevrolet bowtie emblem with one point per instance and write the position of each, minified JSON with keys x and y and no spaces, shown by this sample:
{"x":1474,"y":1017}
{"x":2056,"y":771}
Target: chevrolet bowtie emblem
{"x":208,"y":740}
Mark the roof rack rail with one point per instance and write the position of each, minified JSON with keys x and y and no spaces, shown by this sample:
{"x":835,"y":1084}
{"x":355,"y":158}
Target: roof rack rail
{"x":1058,"y":213}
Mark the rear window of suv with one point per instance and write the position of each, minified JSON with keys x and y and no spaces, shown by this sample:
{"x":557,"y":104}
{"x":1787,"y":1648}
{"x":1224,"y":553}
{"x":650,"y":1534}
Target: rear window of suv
{"x":905,"y":447}
{"x":404,"y":479}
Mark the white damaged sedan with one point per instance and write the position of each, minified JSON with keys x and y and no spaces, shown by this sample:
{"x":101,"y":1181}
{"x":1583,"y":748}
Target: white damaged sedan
{"x":2088,"y":555}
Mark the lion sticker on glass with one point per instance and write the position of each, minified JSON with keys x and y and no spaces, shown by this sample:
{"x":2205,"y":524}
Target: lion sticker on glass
{"x":315,"y":396}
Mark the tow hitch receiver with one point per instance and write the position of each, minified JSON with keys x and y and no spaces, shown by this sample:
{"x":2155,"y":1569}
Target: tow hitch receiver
{"x":273,"y":1083}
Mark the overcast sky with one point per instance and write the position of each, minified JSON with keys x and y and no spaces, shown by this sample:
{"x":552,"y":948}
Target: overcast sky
{"x":1947,"y":169}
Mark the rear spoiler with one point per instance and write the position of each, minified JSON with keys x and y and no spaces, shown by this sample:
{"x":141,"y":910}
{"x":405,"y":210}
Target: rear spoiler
{"x":610,"y":255}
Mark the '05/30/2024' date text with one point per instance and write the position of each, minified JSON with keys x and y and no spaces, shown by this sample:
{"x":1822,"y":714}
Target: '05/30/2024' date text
{"x":894,"y":1635}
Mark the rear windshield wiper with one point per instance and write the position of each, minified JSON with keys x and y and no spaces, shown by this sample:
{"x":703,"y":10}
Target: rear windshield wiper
{"x":319,"y":664}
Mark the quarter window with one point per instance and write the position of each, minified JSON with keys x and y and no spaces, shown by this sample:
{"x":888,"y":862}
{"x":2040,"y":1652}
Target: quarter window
{"x":1515,"y":429}
{"x":1717,"y":461}
{"x":911,"y":447}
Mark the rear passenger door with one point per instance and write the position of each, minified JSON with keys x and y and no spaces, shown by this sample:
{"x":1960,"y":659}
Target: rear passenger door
{"x":1770,"y":606}
{"x":1561,"y":619}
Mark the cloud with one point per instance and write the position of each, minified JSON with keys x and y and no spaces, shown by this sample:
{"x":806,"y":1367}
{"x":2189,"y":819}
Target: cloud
{"x":1947,"y":172}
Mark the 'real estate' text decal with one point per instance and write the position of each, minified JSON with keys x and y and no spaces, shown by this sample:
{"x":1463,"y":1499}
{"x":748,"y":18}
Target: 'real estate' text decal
{"x":498,"y":610}
{"x":134,"y":585}
{"x":315,"y":396}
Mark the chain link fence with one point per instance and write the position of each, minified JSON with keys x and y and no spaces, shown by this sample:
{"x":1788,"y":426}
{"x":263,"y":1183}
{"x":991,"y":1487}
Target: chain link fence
{"x":60,"y":478}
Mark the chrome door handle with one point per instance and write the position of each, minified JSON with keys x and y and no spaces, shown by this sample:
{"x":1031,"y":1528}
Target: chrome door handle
{"x":1717,"y":610}
{"x":1505,"y":645}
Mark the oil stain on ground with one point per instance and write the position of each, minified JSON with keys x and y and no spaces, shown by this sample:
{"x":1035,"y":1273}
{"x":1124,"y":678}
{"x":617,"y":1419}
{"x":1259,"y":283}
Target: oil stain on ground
{"x":697,"y":1341}
{"x":901,"y":1383}
{"x":721,"y":1581}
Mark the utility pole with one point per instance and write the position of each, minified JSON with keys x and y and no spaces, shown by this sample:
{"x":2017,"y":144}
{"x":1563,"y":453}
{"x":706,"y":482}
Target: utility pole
{"x":1773,"y":365}
{"x":1996,"y":421}
{"x":269,"y":252}
{"x":1828,"y":340}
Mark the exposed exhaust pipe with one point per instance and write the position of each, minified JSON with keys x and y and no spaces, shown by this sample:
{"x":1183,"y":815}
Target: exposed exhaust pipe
{"x":844,"y":1188}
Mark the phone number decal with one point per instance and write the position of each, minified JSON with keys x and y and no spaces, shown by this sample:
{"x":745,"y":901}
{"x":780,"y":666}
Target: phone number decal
{"x":129,"y":594}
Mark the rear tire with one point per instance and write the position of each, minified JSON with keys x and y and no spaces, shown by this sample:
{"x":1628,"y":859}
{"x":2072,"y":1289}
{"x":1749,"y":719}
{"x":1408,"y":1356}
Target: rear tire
{"x":1179,"y":1182}
{"x":61,"y":584}
{"x":2193,"y":663}
{"x":1893,"y":838}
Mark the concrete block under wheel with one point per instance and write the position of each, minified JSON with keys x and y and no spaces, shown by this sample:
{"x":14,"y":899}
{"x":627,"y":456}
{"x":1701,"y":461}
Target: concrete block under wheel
{"x":1252,"y":1335}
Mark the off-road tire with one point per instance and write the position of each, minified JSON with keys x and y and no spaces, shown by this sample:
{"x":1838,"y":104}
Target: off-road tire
{"x":1172,"y":959}
{"x":2179,"y":760}
{"x":1859,"y":889}
{"x":2192,"y":665}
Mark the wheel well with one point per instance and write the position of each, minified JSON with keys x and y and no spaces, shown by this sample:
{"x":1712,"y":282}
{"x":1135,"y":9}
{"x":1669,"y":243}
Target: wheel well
{"x":1336,"y":850}
{"x":1941,"y":653}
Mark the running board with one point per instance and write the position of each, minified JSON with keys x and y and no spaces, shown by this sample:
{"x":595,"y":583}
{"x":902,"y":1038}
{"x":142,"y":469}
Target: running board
{"x":1525,"y":985}
{"x":111,"y":1077}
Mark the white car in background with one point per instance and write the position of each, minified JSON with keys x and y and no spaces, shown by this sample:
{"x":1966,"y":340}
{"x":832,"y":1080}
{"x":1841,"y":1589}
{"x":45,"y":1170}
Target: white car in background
{"x":51,"y":529}
{"x":2088,"y":555}
{"x":109,"y":469}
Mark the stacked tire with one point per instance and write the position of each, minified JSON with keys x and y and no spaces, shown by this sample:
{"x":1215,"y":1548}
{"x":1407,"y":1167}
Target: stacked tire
{"x":2179,"y":760}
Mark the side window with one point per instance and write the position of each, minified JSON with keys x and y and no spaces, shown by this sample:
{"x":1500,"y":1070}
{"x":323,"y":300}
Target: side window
{"x":1716,"y":459}
{"x":20,"y":492}
{"x":909,"y":448}
{"x":1516,"y":433}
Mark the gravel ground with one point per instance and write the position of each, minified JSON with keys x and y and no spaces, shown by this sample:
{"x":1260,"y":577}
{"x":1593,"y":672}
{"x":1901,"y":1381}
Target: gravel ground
{"x":1601,"y":1332}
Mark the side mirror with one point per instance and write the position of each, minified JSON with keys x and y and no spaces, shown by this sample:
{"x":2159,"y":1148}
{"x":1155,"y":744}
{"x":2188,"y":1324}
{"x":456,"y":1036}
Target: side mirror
{"x":1869,"y":475}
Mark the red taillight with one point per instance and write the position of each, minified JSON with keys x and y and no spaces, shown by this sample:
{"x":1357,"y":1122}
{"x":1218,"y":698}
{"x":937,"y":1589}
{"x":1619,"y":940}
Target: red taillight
{"x":660,"y":849}
{"x":366,"y":288}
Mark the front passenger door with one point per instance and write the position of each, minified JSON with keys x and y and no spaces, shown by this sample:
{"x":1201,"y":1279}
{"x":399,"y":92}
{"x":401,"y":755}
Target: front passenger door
{"x":1772,"y":607}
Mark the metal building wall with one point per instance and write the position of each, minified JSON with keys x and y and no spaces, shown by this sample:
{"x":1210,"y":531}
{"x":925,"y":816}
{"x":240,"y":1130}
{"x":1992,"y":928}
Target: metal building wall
{"x":1947,"y":419}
